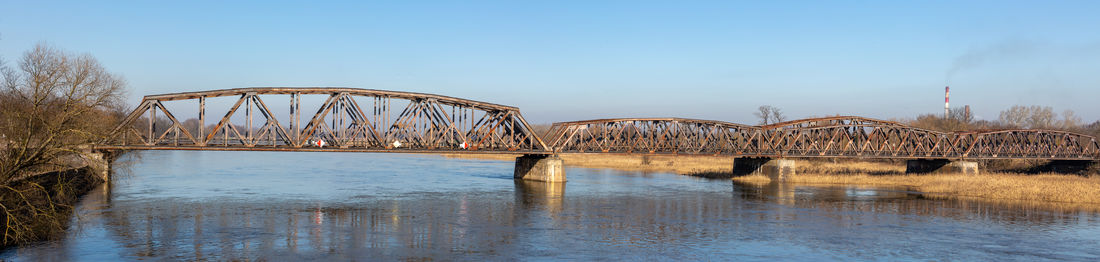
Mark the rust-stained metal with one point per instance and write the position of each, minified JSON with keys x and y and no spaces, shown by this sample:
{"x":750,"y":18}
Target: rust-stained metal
{"x":842,"y":136}
{"x":429,"y":123}
{"x":441,"y":124}
{"x":655,"y":135}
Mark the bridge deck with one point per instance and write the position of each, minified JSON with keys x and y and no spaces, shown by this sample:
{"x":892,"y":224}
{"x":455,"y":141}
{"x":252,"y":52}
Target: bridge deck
{"x":319,"y":149}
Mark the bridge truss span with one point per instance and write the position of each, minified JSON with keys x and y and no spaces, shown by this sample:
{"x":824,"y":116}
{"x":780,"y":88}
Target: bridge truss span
{"x":1026,"y":143}
{"x":842,"y":136}
{"x":343,"y":119}
{"x":856,"y":137}
{"x":654,"y":135}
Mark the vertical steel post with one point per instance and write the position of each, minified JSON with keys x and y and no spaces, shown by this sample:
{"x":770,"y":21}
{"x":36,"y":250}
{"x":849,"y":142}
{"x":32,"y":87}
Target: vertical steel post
{"x":248,"y":117}
{"x":225,"y":133}
{"x":339,"y":128}
{"x":386,"y":111}
{"x":152,"y":123}
{"x":374,"y":114}
{"x":297,"y":115}
{"x":202,"y":121}
{"x":335,"y":118}
{"x":293,"y":124}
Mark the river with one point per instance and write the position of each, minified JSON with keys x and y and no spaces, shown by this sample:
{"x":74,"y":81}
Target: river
{"x":307,"y":206}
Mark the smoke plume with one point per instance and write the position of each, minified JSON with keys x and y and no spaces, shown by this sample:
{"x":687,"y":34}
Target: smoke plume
{"x":977,"y":57}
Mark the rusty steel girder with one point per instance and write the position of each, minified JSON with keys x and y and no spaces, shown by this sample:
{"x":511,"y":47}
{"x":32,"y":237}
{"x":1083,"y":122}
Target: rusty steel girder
{"x":1016,"y":143}
{"x":426,"y":123}
{"x":844,"y":136}
{"x":855,"y":136}
{"x":655,"y":135}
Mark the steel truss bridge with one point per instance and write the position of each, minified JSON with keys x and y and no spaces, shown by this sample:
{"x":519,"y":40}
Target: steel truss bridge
{"x":348,"y":119}
{"x":842,"y":136}
{"x":365,"y":120}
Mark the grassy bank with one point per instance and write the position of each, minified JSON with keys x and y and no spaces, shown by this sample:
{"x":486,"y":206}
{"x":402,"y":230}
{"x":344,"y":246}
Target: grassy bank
{"x":992,"y":184}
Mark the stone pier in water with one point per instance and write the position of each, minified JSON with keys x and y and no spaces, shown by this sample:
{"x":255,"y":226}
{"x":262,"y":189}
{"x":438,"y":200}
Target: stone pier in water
{"x":545,"y":168}
{"x":773,"y":168}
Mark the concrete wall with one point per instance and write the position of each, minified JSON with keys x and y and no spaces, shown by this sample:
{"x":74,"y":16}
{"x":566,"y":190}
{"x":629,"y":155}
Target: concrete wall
{"x":98,"y":162}
{"x":540,"y":168}
{"x":940,"y":166}
{"x":775,"y":169}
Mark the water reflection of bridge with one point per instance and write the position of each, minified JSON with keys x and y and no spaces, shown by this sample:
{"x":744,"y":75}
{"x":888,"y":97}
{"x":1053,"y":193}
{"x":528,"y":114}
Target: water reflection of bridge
{"x":540,"y":215}
{"x":365,"y":120}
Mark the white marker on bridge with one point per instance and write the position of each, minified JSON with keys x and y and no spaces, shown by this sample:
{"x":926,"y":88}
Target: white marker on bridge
{"x":320,"y":143}
{"x":463,"y":145}
{"x":396,"y":144}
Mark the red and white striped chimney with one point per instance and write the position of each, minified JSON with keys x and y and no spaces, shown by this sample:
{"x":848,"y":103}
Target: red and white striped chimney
{"x":946,"y":102}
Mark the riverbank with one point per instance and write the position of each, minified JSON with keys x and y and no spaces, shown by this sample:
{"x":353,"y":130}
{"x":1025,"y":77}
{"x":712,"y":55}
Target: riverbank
{"x":995,"y":184}
{"x":998,"y":186}
{"x":38,"y":204}
{"x":39,"y":207}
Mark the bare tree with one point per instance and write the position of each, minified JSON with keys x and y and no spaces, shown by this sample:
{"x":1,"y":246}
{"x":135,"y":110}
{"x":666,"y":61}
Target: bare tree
{"x":1041,"y":117}
{"x":769,"y":115}
{"x":777,"y":116}
{"x":1070,"y":120}
{"x":1015,"y":116}
{"x":1092,"y":129}
{"x":51,"y":107}
{"x":191,"y":125}
{"x":937,"y":122}
{"x":960,"y":114}
{"x":1029,"y":116}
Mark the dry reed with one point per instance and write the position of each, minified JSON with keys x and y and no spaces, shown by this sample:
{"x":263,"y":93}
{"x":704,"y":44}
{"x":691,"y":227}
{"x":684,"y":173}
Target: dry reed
{"x":1000,"y":186}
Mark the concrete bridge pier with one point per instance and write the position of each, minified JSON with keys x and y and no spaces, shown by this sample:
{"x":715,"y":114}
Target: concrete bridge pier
{"x":545,"y":168}
{"x":940,"y":166}
{"x":774,"y":168}
{"x":98,"y":162}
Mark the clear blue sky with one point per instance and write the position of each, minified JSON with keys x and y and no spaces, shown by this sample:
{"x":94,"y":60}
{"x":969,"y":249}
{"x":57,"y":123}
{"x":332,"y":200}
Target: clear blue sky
{"x":571,"y":60}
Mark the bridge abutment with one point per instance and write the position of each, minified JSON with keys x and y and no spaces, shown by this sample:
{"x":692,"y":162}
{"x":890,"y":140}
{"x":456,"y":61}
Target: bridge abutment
{"x":774,"y":169}
{"x":940,"y":166}
{"x":545,"y":168}
{"x":98,"y":162}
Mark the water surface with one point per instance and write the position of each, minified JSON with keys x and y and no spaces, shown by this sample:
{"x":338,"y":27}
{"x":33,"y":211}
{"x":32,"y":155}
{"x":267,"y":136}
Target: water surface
{"x":184,"y":205}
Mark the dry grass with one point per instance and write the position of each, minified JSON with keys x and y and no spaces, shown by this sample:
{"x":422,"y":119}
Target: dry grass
{"x":1047,"y":188}
{"x":1000,"y":186}
{"x":848,"y":167}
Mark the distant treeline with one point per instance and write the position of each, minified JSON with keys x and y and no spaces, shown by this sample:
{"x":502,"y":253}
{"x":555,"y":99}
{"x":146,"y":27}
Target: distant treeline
{"x":1015,"y":117}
